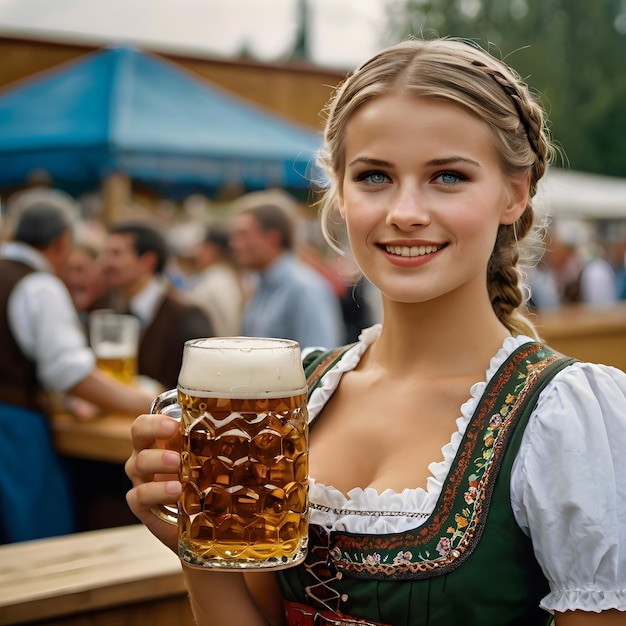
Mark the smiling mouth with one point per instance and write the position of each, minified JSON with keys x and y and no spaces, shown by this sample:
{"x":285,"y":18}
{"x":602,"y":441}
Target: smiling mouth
{"x":411,"y":251}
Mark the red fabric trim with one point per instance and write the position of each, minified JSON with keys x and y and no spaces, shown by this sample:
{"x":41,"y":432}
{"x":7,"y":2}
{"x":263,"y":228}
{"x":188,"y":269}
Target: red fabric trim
{"x":304,"y":615}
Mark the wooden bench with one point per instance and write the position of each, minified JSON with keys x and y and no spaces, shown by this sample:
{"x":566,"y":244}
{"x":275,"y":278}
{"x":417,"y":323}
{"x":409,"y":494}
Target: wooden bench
{"x":112,"y":577}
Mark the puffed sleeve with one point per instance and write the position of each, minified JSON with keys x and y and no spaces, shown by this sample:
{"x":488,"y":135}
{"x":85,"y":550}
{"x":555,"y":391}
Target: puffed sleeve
{"x":568,"y":488}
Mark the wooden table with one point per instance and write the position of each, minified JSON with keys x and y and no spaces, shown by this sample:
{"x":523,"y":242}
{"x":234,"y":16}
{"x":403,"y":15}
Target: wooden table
{"x":104,"y":438}
{"x":113,"y":576}
{"x":595,"y":334}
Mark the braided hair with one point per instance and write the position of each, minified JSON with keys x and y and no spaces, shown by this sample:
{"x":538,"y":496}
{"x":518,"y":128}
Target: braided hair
{"x":461,"y":73}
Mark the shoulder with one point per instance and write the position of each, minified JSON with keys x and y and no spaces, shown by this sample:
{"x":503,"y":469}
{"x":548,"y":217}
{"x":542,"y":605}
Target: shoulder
{"x":576,"y":432}
{"x":568,"y":488}
{"x":583,"y":387}
{"x":42,"y":286}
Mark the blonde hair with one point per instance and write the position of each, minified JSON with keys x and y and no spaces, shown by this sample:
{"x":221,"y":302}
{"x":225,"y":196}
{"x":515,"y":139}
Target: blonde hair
{"x":463,"y":74}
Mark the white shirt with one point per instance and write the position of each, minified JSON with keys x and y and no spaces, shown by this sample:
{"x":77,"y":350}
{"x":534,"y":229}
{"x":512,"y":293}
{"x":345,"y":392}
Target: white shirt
{"x":145,"y":304}
{"x":44,"y":323}
{"x":598,"y":283}
{"x":217,"y":291}
{"x":568,"y":484}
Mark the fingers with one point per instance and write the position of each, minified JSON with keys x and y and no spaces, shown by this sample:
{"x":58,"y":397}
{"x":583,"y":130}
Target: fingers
{"x":147,"y":429}
{"x":142,"y":498}
{"x":153,"y":471}
{"x":146,"y":495}
{"x":148,"y":459}
{"x":152,"y":464}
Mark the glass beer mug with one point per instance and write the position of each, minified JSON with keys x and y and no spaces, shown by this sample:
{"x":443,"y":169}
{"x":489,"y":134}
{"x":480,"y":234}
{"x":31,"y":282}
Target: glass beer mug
{"x":114,"y":339}
{"x":243,"y":440}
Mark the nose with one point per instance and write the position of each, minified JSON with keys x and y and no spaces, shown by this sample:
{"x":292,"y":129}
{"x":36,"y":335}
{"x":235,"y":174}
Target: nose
{"x":408,"y":208}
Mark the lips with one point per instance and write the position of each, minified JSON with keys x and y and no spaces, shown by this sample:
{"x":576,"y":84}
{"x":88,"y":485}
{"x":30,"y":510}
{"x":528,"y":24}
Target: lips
{"x":412,"y":251}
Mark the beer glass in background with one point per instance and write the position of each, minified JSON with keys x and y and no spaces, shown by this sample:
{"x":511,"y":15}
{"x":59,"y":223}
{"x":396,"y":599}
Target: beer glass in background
{"x":115,"y":340}
{"x":244,"y":447}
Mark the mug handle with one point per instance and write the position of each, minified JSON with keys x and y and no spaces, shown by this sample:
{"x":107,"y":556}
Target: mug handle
{"x":167,"y":404}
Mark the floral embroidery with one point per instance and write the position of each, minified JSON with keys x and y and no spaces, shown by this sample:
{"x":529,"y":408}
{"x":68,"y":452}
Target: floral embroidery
{"x":473,"y":492}
{"x":372,"y":559}
{"x":444,"y":546}
{"x":402,"y":558}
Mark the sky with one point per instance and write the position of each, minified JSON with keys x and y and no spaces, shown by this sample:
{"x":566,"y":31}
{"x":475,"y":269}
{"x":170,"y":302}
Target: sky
{"x":343,"y":33}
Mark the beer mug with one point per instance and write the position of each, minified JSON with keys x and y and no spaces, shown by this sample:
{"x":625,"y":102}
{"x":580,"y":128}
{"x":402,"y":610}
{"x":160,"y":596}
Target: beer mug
{"x":114,"y":338}
{"x":243,"y":440}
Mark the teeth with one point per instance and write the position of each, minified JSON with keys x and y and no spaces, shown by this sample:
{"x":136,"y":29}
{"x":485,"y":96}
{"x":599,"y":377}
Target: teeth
{"x":412,"y":250}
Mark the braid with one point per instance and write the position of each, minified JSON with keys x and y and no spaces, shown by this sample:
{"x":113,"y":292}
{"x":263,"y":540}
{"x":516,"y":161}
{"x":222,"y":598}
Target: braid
{"x":503,"y":276}
{"x":503,"y":281}
{"x":530,"y":115}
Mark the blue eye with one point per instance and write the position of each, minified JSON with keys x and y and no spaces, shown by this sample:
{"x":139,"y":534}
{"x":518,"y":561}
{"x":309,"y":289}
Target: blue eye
{"x":450,"y":178}
{"x":373,"y":178}
{"x":377,"y":178}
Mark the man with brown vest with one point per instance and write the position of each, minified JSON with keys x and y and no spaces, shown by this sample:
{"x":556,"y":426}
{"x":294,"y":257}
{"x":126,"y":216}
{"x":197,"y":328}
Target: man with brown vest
{"x":43,"y":350}
{"x":134,"y":262}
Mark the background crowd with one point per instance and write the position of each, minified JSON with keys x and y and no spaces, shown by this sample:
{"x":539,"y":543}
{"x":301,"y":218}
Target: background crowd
{"x":238,"y":276}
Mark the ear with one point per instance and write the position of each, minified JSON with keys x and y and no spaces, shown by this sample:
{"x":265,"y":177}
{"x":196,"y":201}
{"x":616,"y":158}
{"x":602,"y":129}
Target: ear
{"x":272,"y":236}
{"x":518,"y":190}
{"x":148,"y":261}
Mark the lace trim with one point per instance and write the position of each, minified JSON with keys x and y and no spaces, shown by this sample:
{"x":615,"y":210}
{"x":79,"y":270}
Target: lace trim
{"x":328,"y":509}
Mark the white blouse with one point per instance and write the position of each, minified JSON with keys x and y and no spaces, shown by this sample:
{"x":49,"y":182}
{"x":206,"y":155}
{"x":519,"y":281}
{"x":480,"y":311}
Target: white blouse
{"x":568,"y":485}
{"x":44,"y":322}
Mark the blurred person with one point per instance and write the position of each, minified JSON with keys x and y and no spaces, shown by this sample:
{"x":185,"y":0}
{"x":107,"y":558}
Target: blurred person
{"x":617,"y":254}
{"x":182,"y":241}
{"x":44,"y":352}
{"x":347,"y":283}
{"x":543,"y":291}
{"x":580,"y":273}
{"x":216,"y":286}
{"x":291,"y":300}
{"x":134,"y":259}
{"x":82,"y":275}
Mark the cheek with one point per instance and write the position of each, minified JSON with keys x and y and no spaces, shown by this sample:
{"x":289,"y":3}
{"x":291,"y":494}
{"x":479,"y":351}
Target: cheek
{"x":358,"y":228}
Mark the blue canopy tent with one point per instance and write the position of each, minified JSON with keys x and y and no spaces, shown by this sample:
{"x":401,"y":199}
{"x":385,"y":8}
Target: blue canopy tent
{"x":121,"y":110}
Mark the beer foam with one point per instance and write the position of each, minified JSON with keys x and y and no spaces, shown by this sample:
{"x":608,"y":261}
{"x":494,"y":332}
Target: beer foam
{"x":110,"y":350}
{"x":241,"y":367}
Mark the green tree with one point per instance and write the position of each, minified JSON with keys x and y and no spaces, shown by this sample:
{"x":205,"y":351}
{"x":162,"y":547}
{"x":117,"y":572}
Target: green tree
{"x":571,"y":52}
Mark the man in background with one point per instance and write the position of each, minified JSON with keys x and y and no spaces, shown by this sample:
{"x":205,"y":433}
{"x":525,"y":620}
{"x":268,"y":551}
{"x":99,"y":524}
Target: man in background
{"x":133,"y":262}
{"x":216,"y":286}
{"x":291,"y":300}
{"x":44,"y":352}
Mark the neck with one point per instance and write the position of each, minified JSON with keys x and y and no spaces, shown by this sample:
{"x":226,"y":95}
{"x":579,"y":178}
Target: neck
{"x":270,"y":261}
{"x":128,"y":292}
{"x":438,"y":337}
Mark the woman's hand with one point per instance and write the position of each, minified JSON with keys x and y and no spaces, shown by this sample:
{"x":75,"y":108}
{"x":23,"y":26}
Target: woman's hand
{"x":153,"y":471}
{"x":217,"y":598}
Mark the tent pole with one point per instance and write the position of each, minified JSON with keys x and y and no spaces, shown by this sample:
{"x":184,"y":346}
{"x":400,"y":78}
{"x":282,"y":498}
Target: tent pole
{"x":116,"y":197}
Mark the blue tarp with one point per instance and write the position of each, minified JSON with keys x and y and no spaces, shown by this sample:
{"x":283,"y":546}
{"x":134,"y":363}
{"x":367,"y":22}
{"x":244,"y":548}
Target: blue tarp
{"x":120,"y":109}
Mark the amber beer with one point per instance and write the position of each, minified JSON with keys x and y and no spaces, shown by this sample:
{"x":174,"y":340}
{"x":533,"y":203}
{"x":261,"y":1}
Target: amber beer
{"x":244,"y":432}
{"x":120,"y":366}
{"x":114,"y":339}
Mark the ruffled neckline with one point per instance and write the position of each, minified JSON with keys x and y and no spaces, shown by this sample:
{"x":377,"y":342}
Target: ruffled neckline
{"x":419,"y":502}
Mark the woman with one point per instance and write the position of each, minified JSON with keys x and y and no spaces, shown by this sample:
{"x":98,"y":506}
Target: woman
{"x":434,"y":151}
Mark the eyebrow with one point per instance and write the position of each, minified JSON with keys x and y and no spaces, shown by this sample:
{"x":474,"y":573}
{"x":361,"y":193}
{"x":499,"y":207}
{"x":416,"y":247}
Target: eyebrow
{"x":432,"y":163}
{"x":452,"y":159}
{"x":370,"y":161}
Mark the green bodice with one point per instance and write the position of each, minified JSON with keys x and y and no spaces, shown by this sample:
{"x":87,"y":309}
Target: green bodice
{"x":468,"y":563}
